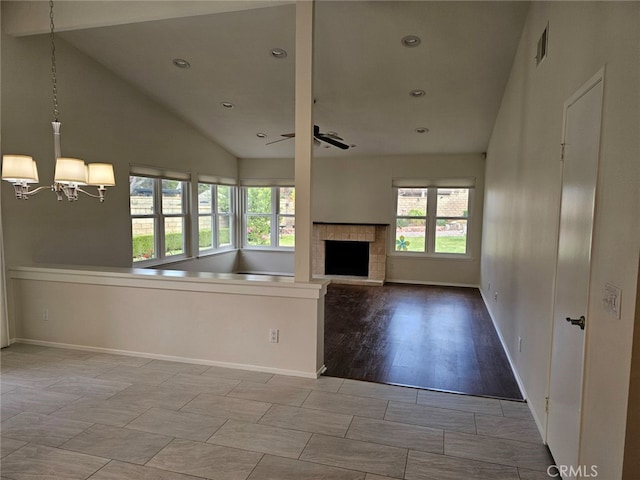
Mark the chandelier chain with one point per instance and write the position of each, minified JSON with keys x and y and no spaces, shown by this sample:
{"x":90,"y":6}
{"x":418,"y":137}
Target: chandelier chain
{"x":54,"y":79}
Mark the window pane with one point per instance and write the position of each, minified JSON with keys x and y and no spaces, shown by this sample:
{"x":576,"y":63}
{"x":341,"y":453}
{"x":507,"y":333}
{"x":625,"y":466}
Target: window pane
{"x":141,"y":195}
{"x":143,"y":238}
{"x":259,"y":230}
{"x":224,"y":199}
{"x":173,"y":236}
{"x":412,"y":202}
{"x":171,"y":196}
{"x":204,"y":198}
{"x":287,"y":200}
{"x":259,"y":199}
{"x":287,"y":232}
{"x":451,"y":236}
{"x":224,"y":230}
{"x":410,"y":234}
{"x":453,"y":202}
{"x":205,"y":232}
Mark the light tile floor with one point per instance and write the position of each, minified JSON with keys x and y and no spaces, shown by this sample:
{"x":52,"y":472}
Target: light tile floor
{"x":69,"y":414}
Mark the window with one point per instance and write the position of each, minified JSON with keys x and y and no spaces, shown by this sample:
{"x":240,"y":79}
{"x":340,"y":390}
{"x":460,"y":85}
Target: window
{"x":159,"y":218}
{"x":269,"y":216}
{"x":215,"y":216}
{"x":452,"y":213}
{"x":432,"y":220}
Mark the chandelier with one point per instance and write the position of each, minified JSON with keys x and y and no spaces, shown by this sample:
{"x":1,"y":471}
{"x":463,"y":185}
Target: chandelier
{"x":70,"y":173}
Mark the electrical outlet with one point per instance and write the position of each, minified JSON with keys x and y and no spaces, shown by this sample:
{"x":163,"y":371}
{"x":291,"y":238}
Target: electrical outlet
{"x":519,"y":344}
{"x":495,"y":296}
{"x":45,"y":314}
{"x":274,"y":335}
{"x":611,"y":300}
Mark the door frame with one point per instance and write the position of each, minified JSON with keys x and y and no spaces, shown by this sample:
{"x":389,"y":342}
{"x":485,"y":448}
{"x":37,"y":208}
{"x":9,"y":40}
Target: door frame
{"x":598,"y":77}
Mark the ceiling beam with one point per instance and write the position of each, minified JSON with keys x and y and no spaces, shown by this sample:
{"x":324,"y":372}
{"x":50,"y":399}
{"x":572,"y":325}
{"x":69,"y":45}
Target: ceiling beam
{"x":20,"y":18}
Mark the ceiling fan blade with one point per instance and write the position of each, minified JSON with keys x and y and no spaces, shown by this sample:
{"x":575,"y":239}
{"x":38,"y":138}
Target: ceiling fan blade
{"x":280,"y":140}
{"x":334,"y":136}
{"x":332,"y":141}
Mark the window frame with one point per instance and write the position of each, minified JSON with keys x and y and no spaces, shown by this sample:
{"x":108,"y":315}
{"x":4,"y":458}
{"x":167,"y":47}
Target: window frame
{"x":431,"y":223}
{"x":215,"y":215}
{"x":274,"y":216}
{"x":159,"y":217}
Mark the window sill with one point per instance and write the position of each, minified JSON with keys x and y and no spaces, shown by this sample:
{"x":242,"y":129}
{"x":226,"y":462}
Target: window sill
{"x":432,"y":256}
{"x":213,"y":253}
{"x":270,"y":249}
{"x":162,"y":261}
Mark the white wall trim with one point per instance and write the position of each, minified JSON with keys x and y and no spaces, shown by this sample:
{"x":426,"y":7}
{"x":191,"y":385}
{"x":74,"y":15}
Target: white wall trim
{"x":171,"y":358}
{"x":263,"y":285}
{"x":260,"y":272}
{"x":539,"y":423}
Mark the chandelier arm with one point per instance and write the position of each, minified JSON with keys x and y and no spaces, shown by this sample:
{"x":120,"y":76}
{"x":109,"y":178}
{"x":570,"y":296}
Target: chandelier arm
{"x":22,"y":191}
{"x":101,"y":192}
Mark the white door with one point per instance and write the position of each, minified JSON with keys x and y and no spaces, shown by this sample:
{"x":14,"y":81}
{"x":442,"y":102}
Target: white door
{"x":580,"y":167}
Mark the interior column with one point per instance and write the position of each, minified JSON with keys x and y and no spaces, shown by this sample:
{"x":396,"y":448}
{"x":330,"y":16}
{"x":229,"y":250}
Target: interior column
{"x":303,"y":138}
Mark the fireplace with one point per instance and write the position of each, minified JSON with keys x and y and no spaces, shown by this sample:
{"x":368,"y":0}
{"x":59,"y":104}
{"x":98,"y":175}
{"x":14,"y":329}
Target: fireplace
{"x":366,"y":243}
{"x":346,"y":258}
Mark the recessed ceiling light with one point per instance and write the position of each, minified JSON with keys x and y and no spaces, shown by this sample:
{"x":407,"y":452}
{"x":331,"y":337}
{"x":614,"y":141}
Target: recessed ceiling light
{"x":227,"y":105}
{"x":421,"y":130}
{"x":261,"y":135}
{"x":411,"y":41}
{"x":417,"y":93}
{"x":278,"y":53}
{"x":181,"y":63}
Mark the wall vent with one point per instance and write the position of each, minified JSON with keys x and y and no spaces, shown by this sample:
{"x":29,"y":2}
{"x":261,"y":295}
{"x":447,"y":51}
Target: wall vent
{"x":543,"y":46}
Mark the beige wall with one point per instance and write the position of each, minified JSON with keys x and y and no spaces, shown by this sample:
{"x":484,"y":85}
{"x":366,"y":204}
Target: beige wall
{"x":523,"y":180}
{"x":214,"y":319}
{"x":103,"y":120}
{"x":359,"y":190}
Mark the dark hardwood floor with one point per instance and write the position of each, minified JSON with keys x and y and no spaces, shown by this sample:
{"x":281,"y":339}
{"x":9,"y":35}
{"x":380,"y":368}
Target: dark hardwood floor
{"x":439,"y":338}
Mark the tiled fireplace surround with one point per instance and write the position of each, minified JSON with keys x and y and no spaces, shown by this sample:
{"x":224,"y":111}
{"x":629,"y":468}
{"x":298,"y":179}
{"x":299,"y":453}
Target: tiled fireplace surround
{"x":376,"y":235}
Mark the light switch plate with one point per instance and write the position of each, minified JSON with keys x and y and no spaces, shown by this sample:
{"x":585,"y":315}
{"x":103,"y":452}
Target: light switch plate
{"x":611,"y":300}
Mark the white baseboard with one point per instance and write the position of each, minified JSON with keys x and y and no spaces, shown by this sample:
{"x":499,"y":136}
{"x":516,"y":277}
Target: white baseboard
{"x":435,"y":284}
{"x":171,"y":358}
{"x":523,"y":390}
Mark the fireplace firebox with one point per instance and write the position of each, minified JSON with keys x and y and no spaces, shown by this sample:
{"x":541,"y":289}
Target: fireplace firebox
{"x":346,"y":258}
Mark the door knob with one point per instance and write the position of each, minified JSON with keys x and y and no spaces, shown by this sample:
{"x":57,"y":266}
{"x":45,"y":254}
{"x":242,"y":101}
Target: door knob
{"x":577,"y":321}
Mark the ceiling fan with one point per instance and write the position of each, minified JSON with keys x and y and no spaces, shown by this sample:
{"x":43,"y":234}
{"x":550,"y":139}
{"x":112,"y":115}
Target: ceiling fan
{"x":331,"y":138}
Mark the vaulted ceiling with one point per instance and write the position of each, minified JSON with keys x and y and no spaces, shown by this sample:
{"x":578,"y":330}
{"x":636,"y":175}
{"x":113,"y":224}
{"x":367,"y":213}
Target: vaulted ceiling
{"x":362,"y":72}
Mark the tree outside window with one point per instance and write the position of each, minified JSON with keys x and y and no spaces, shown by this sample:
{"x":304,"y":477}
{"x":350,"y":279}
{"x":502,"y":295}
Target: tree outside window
{"x":269,"y":216}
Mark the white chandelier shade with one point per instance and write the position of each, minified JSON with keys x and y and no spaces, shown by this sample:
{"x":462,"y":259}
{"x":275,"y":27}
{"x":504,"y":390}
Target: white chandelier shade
{"x":70,"y":171}
{"x":19,"y":169}
{"x":101,"y":174}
